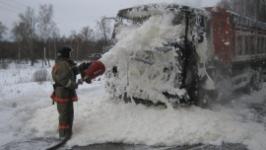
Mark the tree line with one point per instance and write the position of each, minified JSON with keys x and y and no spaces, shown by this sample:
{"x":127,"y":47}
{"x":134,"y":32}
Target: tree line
{"x":255,"y":9}
{"x":36,"y":36}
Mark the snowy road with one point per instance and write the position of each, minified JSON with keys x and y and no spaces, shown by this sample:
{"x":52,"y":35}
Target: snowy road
{"x":27,"y":113}
{"x":41,"y":144}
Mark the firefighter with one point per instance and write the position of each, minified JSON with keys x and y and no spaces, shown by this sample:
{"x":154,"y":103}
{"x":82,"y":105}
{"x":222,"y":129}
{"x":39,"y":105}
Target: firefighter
{"x":64,"y":75}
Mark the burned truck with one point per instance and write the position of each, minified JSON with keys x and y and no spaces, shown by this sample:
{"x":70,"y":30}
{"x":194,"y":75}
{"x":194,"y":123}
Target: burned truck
{"x":156,"y":59}
{"x":171,"y":55}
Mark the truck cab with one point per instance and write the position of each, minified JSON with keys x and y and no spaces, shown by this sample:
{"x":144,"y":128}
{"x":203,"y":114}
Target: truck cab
{"x":159,"y":56}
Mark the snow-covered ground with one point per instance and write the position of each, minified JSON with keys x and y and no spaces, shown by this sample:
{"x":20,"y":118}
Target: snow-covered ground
{"x":27,"y":112}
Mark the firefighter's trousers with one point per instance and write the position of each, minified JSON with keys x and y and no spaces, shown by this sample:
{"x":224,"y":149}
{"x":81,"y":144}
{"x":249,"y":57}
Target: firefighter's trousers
{"x":66,"y":116}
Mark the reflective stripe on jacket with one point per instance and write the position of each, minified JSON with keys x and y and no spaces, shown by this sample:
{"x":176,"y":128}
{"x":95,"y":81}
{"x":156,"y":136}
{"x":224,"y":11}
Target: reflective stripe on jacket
{"x":63,"y":100}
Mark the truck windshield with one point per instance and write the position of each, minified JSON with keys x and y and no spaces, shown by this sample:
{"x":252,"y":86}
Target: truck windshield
{"x":136,"y":16}
{"x":131,"y":22}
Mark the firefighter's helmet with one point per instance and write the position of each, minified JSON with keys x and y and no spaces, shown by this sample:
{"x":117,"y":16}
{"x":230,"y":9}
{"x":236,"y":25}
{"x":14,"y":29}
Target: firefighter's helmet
{"x":64,"y":52}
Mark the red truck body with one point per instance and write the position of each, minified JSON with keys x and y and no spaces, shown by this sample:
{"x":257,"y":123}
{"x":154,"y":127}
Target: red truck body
{"x":238,"y":43}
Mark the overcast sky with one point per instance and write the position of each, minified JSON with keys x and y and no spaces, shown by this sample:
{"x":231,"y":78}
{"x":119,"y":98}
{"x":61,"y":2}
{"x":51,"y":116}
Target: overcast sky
{"x":75,"y":14}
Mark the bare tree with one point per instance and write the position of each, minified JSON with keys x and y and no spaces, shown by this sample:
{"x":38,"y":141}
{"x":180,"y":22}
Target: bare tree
{"x":46,"y":28}
{"x":104,"y":28}
{"x":76,"y":42}
{"x":55,"y":38}
{"x":228,"y":4}
{"x":24,"y":31}
{"x":3,"y":29}
{"x":254,"y":9}
{"x":86,"y":34}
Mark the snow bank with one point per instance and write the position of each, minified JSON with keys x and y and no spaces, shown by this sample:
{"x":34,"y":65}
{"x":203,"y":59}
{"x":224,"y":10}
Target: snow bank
{"x":20,"y":98}
{"x":20,"y":73}
{"x":18,"y":103}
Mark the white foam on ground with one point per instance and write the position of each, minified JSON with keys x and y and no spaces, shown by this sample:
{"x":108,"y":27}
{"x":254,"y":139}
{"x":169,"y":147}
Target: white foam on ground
{"x":99,"y":120}
{"x":29,"y":113}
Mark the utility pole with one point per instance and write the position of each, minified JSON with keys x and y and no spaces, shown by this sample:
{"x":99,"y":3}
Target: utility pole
{"x":44,"y":62}
{"x":19,"y":55}
{"x":256,"y":9}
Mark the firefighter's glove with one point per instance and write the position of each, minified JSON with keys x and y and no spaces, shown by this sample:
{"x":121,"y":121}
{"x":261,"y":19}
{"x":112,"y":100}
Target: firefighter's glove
{"x":87,"y":80}
{"x":83,"y":66}
{"x":80,"y":82}
{"x":76,"y":86}
{"x":75,"y":70}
